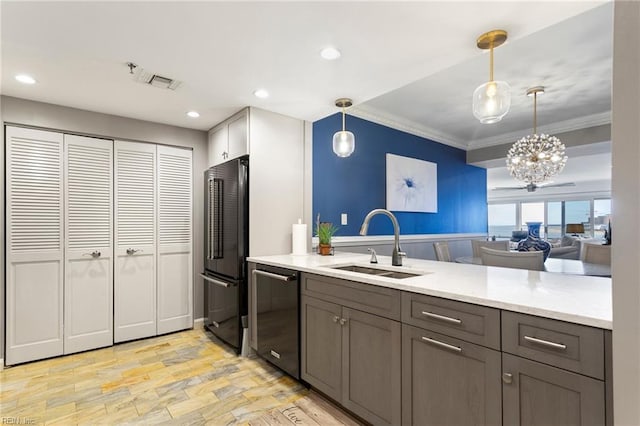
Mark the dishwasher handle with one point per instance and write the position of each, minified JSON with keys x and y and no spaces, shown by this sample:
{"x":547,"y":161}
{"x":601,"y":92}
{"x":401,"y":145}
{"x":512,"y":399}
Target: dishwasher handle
{"x":279,"y":277}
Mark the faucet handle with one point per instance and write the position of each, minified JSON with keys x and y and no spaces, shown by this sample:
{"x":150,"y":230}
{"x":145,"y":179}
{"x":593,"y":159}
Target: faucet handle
{"x":374,"y":259}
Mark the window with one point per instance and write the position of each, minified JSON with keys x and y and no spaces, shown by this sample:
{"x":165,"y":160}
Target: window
{"x":555,"y":225}
{"x":502,"y":219}
{"x":532,"y":212}
{"x":578,"y":212}
{"x":594,"y":214}
{"x":601,"y":216}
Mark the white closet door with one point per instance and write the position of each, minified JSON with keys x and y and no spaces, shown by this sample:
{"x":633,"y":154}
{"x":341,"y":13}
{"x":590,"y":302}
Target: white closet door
{"x":34,"y":293}
{"x":135,"y":226}
{"x":175,"y":262}
{"x":88,"y":284}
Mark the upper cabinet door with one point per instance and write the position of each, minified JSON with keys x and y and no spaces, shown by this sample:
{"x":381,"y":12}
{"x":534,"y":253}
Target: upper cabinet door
{"x":175,"y":260}
{"x":229,"y":139}
{"x":239,"y":134}
{"x":35,"y":209}
{"x":135,"y":244}
{"x":218,"y":145}
{"x":88,"y":285}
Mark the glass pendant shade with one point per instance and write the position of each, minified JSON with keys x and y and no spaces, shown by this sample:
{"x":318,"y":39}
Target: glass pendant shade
{"x":344,"y":143}
{"x":491,"y":101}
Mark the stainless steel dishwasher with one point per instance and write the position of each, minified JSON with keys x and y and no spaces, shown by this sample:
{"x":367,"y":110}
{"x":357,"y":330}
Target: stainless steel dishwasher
{"x":278,"y":317}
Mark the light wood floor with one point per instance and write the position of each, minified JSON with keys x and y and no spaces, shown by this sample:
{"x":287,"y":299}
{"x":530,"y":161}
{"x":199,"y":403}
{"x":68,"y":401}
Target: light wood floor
{"x":183,"y":378}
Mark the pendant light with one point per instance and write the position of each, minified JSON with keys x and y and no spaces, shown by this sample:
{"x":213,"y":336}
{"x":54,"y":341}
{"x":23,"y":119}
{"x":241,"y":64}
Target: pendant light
{"x":491,"y":100}
{"x":535,"y":158}
{"x":344,"y":142}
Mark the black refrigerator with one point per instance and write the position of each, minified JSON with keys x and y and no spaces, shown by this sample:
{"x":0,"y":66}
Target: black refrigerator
{"x":226,"y":248}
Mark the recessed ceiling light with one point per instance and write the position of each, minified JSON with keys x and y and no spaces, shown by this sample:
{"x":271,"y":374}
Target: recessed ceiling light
{"x":261,"y":93}
{"x":25,"y":79}
{"x":193,"y":114}
{"x":330,"y":53}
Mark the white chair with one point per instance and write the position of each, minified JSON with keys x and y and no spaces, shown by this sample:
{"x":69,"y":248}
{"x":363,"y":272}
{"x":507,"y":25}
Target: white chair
{"x":596,"y":253}
{"x":496,"y":245}
{"x":531,"y":260}
{"x":442,"y":251}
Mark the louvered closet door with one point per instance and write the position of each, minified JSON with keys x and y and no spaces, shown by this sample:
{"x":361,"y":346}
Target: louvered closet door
{"x":175,"y":262}
{"x":34,"y":293}
{"x":135,"y":226}
{"x":88,"y":284}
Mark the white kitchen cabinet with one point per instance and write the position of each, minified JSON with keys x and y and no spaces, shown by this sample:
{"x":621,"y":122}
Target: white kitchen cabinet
{"x":35,"y":245}
{"x":229,"y":139}
{"x":88,"y":283}
{"x":175,"y":258}
{"x":135,"y":241}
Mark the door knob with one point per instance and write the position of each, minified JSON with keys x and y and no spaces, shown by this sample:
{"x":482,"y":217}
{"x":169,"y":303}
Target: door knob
{"x":95,"y":254}
{"x":131,"y":251}
{"x":336,"y":318}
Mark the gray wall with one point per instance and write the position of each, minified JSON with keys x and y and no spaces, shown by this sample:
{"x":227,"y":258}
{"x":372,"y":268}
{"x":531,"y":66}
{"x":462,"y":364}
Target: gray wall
{"x":76,"y":121}
{"x":625,"y":212}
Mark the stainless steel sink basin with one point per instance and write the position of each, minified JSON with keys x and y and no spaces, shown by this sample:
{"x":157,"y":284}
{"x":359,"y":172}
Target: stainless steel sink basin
{"x":378,"y":271}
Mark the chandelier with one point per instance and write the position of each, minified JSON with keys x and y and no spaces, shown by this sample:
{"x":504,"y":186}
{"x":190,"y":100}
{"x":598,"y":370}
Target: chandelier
{"x":535,"y":158}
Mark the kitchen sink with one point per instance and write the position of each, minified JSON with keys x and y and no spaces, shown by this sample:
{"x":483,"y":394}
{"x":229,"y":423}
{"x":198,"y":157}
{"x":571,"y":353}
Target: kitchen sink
{"x":378,"y":271}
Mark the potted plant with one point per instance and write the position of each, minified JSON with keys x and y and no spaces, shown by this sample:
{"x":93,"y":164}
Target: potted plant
{"x":325,"y":231}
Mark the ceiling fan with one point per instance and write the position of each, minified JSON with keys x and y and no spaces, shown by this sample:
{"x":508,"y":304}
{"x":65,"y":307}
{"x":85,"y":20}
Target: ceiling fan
{"x":532,"y":187}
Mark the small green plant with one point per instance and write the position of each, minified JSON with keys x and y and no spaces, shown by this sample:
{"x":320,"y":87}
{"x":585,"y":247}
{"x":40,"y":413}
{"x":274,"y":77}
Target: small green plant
{"x":325,"y":231}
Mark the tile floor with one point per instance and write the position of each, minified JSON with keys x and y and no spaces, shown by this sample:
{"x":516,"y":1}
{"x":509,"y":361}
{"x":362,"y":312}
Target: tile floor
{"x":181,"y":378}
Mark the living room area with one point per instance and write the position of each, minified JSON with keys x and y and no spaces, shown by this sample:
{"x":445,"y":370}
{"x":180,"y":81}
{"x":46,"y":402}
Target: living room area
{"x":573,"y":212}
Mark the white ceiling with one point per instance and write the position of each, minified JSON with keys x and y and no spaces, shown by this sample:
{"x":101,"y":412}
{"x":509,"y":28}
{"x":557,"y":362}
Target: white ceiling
{"x":413,"y":65}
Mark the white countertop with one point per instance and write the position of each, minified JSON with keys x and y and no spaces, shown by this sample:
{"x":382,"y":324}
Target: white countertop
{"x":578,"y":299}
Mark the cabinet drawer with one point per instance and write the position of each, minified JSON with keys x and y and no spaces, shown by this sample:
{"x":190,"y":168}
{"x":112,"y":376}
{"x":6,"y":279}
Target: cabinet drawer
{"x":573,"y":347}
{"x":365,"y":297}
{"x":473,"y":323}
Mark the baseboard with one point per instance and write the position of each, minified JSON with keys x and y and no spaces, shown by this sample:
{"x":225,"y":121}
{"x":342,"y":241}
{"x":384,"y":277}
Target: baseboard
{"x":1,"y":364}
{"x":198,"y":323}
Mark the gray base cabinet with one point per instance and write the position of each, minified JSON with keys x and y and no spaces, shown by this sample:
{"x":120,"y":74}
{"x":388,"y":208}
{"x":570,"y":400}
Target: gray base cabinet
{"x":447,"y":381}
{"x":321,"y":346}
{"x":394,"y":357}
{"x":350,"y":355}
{"x":538,"y":394}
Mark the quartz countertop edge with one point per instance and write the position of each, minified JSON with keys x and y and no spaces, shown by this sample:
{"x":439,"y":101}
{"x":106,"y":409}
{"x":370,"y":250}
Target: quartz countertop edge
{"x":572,"y":298}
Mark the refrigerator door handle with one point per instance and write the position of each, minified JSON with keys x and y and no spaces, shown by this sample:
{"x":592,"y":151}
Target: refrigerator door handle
{"x":214,"y":219}
{"x":217,"y":282}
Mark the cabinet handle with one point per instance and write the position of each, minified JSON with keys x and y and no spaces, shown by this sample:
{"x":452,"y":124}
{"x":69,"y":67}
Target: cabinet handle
{"x":442,"y":344}
{"x":507,"y":378}
{"x":336,"y":318}
{"x":95,"y":254}
{"x":442,"y":318}
{"x":275,"y":354}
{"x":545,"y":343}
{"x":131,"y":251}
{"x":343,"y":321}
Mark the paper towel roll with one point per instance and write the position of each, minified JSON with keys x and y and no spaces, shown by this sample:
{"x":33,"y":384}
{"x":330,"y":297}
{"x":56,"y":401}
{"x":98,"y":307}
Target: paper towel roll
{"x":299,"y":238}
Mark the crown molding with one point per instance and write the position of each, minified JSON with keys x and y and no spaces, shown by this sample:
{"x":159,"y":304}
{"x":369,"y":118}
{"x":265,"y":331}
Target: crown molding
{"x":553,"y":128}
{"x":398,"y":123}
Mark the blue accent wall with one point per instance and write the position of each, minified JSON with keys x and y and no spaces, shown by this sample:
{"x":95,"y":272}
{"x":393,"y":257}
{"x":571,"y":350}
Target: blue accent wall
{"x":357,"y":184}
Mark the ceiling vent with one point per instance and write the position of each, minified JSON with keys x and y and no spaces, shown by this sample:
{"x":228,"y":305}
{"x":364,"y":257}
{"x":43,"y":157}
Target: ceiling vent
{"x":156,"y":80}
